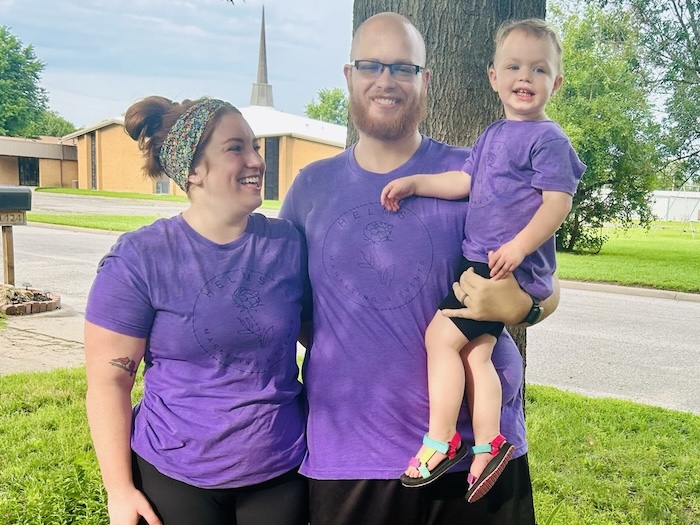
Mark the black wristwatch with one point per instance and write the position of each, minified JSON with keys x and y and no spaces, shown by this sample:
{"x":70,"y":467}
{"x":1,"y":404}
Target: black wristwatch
{"x":535,"y":313}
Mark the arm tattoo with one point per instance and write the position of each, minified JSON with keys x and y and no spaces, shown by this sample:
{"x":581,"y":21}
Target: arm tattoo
{"x":125,"y":363}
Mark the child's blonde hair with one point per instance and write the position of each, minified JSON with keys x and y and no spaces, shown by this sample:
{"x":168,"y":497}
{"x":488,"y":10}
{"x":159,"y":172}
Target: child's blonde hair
{"x":534,"y":27}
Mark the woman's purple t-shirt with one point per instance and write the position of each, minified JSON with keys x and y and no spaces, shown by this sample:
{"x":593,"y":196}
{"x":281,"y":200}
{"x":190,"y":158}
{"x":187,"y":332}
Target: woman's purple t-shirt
{"x":222,"y":405}
{"x":511,"y":164}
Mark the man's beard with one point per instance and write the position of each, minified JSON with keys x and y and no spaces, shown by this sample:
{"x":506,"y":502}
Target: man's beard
{"x":401,"y":126}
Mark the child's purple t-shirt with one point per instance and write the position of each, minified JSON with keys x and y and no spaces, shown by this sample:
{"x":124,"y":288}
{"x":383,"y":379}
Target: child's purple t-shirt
{"x":377,"y":279}
{"x":222,"y":405}
{"x":511,"y":164}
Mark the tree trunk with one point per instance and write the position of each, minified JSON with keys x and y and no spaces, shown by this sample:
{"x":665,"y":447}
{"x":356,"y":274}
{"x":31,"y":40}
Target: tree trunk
{"x":459,"y":44}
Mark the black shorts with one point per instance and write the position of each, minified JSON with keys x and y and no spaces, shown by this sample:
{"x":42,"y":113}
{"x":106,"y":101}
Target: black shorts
{"x":470,"y":328}
{"x":280,"y":501}
{"x":387,"y":502}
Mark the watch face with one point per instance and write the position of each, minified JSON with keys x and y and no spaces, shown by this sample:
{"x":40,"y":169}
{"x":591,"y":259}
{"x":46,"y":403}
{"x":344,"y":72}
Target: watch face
{"x":537,"y":313}
{"x":534,"y":315}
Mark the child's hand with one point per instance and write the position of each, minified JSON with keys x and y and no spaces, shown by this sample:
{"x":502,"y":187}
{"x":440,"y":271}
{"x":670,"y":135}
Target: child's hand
{"x":395,"y":191}
{"x":506,"y":259}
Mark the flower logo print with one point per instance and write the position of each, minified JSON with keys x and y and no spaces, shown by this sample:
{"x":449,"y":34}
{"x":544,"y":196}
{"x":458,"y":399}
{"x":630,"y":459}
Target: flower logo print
{"x":248,"y":300}
{"x":377,"y":232}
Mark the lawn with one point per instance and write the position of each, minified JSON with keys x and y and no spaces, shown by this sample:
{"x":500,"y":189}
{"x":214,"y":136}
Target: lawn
{"x":269,"y":204}
{"x":666,"y":256}
{"x":605,"y":461}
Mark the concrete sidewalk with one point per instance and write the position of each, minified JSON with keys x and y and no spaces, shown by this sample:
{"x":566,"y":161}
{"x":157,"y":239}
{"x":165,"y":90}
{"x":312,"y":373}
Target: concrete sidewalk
{"x":55,"y":339}
{"x":45,"y":341}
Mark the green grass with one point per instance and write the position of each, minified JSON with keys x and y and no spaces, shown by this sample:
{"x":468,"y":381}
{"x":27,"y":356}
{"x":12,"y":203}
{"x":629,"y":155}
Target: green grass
{"x":115,"y":194}
{"x":49,"y":473}
{"x":267,"y":204}
{"x":118,"y":223}
{"x":612,"y":462}
{"x":665,"y":257}
{"x":602,"y":461}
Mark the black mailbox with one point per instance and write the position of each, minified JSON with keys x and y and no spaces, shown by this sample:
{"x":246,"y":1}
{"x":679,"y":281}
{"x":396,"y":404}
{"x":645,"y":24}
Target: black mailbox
{"x":15,"y":198}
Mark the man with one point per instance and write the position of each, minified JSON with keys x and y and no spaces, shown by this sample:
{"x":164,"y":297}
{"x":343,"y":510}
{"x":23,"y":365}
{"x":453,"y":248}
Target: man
{"x":377,"y":278}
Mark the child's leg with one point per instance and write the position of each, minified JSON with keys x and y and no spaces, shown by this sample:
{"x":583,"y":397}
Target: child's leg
{"x":443,"y":342}
{"x":484,"y":395}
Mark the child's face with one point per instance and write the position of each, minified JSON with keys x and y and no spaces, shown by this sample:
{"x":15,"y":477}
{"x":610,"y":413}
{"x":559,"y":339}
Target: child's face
{"x":525,"y":73}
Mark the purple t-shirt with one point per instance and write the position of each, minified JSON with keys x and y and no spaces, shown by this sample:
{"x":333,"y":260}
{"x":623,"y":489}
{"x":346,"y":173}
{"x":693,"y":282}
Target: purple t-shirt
{"x":222,"y":406}
{"x":511,"y":164}
{"x":377,"y":279}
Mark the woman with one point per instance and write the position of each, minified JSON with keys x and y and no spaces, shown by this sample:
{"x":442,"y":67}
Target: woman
{"x":212,"y":301}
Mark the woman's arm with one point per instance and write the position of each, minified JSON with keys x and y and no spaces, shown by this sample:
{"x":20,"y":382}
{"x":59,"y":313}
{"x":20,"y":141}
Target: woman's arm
{"x":111,"y":361}
{"x":498,"y":300}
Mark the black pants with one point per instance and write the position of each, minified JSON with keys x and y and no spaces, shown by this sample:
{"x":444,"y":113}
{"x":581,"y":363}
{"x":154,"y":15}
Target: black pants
{"x":279,"y":501}
{"x":387,"y":502}
{"x":469,"y":327}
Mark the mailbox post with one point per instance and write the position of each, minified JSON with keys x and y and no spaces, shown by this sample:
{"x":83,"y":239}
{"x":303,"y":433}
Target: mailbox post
{"x":15,"y":202}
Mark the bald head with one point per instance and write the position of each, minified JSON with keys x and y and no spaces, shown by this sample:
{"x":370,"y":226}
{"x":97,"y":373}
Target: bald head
{"x":388,"y":31}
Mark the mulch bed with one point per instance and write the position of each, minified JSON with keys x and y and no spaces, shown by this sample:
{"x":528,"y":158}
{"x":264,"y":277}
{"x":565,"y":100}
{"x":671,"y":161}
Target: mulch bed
{"x":25,"y":301}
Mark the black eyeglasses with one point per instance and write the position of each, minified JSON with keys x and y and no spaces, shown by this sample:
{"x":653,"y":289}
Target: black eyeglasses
{"x":374,"y":69}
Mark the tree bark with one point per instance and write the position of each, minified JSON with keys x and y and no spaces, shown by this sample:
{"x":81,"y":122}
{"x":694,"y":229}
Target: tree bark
{"x":459,"y":46}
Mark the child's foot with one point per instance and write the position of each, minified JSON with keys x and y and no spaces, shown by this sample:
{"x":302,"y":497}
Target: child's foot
{"x":489,"y":462}
{"x":425,"y":451}
{"x":433,"y":460}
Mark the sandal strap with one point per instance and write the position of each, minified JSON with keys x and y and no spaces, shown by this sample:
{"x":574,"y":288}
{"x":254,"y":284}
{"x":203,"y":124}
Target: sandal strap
{"x":491,"y":447}
{"x":444,"y":447}
{"x":440,"y":446}
{"x":431,"y":447}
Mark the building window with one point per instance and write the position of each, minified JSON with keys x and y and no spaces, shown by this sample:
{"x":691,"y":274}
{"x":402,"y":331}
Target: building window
{"x":28,"y":171}
{"x":93,"y":161}
{"x":163,"y":186}
{"x":272,"y":170}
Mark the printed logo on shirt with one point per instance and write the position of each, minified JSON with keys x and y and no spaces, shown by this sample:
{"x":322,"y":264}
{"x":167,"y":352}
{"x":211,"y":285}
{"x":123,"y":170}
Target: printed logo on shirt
{"x":238,"y":320}
{"x":493,"y":177}
{"x":378,"y":259}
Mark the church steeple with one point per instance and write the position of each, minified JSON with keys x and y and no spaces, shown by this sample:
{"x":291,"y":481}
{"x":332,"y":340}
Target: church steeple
{"x":262,"y":91}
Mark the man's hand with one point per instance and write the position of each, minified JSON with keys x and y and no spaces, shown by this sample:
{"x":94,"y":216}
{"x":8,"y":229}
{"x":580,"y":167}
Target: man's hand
{"x":506,"y":259}
{"x":395,"y":191}
{"x":490,"y":300}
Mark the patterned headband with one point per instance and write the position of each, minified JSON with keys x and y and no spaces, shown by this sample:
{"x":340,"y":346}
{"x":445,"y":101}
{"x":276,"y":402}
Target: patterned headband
{"x":181,"y":142}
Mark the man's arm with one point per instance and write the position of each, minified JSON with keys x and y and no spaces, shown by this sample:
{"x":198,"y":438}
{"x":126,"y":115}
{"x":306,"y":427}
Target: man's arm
{"x":498,"y":300}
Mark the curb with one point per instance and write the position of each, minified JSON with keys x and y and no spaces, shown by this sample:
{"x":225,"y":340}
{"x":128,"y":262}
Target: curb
{"x":630,"y":290}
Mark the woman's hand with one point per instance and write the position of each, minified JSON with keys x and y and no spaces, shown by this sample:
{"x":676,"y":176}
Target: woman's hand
{"x":127,"y":507}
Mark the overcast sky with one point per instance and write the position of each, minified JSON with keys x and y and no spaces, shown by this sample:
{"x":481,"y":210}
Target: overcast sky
{"x":103,"y":55}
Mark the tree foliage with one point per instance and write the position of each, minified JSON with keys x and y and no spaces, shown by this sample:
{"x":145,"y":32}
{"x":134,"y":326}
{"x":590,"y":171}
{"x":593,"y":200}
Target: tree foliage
{"x":49,"y":123}
{"x":22,"y":100}
{"x":670,"y":39}
{"x":332,"y":106}
{"x":603,"y":106}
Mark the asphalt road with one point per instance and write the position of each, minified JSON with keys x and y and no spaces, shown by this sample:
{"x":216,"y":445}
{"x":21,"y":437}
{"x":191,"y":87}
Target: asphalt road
{"x":645,"y":349}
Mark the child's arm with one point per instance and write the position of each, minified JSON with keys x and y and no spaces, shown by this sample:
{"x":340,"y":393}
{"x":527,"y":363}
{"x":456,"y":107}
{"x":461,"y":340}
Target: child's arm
{"x":556,"y":205}
{"x":447,"y":185}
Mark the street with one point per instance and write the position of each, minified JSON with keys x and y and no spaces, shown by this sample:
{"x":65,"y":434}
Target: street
{"x":601,"y":344}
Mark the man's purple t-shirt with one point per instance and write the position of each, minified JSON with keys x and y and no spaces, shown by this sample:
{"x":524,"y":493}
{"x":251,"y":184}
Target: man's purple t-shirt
{"x":222,"y":405}
{"x":377,"y":279}
{"x":511,"y":164}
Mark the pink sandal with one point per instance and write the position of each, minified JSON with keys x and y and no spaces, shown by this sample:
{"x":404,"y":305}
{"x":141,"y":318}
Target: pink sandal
{"x":501,"y":451}
{"x":454,"y":455}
